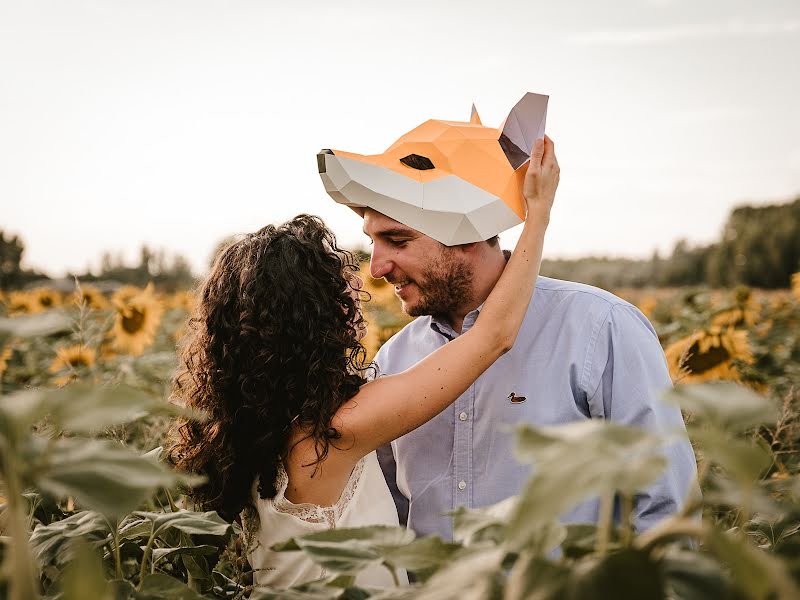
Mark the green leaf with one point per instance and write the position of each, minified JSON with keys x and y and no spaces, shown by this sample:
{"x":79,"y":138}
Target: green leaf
{"x":194,"y":523}
{"x":309,"y":591}
{"x":202,"y":550}
{"x":423,"y":556}
{"x":20,"y":411}
{"x":535,"y":578}
{"x":625,"y":575}
{"x":102,"y":476}
{"x":475,"y":576}
{"x":41,"y":325}
{"x":743,"y":459}
{"x":694,"y":576}
{"x":84,"y":578}
{"x":574,"y":462}
{"x":49,"y":543}
{"x":158,"y":586}
{"x":749,"y":567}
{"x":724,"y":405}
{"x":474,"y":525}
{"x":86,"y":408}
{"x":349,"y":550}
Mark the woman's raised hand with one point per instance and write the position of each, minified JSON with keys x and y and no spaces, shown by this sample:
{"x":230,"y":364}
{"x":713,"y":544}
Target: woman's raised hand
{"x":541,"y":180}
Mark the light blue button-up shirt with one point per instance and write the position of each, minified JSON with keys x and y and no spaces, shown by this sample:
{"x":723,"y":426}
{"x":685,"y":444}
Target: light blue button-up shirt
{"x":581,"y":353}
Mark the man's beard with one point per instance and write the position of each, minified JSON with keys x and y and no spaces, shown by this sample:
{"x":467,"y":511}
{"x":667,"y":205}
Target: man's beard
{"x":445,"y":286}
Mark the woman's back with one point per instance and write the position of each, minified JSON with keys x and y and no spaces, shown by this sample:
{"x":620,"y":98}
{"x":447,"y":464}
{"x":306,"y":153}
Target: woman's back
{"x":365,"y":500}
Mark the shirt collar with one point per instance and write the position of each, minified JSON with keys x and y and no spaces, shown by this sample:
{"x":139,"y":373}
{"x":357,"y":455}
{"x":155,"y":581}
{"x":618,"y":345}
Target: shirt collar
{"x":443,"y":327}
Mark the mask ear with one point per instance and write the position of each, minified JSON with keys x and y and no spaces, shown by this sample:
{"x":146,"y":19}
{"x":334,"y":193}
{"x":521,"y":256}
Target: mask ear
{"x":522,"y":127}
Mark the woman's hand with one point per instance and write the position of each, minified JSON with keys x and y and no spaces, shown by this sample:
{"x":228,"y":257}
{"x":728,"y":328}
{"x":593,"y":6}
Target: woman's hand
{"x":541,"y":180}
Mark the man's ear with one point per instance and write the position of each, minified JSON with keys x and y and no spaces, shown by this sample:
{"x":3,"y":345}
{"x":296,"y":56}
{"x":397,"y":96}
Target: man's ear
{"x":522,"y":127}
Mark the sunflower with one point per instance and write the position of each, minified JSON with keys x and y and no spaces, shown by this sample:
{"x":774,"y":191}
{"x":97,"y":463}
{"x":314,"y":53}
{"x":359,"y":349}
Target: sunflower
{"x":71,"y":359}
{"x":91,"y":297}
{"x":45,"y":298}
{"x":22,"y":303}
{"x":5,"y":354}
{"x":138,"y":317}
{"x":707,"y":355}
{"x":744,"y":312}
{"x":796,"y":285}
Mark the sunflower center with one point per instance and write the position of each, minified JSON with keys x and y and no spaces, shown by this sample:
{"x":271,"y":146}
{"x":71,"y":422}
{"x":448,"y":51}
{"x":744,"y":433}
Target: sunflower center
{"x":133,"y":320}
{"x":699,"y":362}
{"x":46,"y":301}
{"x":78,"y":361}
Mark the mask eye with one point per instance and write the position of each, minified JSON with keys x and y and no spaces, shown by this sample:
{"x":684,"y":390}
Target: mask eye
{"x":415,"y":161}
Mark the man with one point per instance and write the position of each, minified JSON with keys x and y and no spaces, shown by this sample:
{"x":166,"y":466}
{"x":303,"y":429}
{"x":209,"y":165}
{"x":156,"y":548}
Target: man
{"x":581,"y":353}
{"x":433,"y":204}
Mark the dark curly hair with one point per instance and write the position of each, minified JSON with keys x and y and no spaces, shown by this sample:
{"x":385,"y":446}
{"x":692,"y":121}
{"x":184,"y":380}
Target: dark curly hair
{"x":273,"y":342}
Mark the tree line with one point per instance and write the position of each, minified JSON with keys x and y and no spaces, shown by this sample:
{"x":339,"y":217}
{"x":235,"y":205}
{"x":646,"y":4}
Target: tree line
{"x":759,"y":246}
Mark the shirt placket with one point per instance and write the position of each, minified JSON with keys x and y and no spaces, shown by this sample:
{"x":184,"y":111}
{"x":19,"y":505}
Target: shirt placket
{"x":462,"y":449}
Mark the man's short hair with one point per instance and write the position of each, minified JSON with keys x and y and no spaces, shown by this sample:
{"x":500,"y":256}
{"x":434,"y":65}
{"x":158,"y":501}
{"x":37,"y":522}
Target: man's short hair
{"x":493,"y":241}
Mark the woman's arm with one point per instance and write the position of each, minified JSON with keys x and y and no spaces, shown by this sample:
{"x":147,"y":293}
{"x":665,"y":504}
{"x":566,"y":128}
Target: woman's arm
{"x":391,"y":406}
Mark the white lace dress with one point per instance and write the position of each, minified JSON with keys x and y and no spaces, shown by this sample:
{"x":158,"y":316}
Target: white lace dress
{"x":365,"y":500}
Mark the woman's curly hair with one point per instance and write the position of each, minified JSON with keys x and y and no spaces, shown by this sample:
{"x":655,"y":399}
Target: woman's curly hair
{"x":273,"y":342}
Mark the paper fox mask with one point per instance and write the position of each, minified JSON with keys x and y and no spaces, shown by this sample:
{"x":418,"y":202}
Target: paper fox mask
{"x":456,"y":182}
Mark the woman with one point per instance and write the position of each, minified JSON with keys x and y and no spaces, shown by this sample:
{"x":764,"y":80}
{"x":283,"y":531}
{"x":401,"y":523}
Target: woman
{"x":275,"y":362}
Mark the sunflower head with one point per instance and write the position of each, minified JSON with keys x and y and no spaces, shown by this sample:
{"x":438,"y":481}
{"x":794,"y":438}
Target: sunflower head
{"x":5,"y":354}
{"x":90,"y":297}
{"x":138,"y":317}
{"x":71,"y":362}
{"x":708,"y":355}
{"x":46,"y":298}
{"x":22,"y":303}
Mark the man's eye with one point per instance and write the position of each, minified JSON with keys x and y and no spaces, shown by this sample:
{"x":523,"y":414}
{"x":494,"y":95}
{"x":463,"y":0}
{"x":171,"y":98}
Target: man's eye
{"x":398,"y":243}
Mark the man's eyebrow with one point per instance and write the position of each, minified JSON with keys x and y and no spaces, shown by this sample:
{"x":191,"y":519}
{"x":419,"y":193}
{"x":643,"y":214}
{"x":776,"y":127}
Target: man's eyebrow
{"x":399,"y":232}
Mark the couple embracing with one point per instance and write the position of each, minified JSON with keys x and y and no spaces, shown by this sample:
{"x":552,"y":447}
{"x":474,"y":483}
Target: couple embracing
{"x":303,"y":436}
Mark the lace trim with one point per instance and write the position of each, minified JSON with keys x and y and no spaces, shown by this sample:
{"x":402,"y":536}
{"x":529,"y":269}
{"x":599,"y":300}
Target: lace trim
{"x":313,"y":513}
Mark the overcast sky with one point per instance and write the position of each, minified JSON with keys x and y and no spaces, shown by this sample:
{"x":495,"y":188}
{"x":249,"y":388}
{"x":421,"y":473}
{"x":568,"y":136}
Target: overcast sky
{"x":177,"y":123}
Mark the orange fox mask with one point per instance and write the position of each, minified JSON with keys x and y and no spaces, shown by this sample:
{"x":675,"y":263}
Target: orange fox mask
{"x":456,"y":182}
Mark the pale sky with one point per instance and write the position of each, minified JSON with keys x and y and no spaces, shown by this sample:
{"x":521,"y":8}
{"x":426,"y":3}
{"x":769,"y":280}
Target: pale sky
{"x":177,"y":123}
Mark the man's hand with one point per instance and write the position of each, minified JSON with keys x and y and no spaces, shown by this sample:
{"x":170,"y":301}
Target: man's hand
{"x":541,"y":180}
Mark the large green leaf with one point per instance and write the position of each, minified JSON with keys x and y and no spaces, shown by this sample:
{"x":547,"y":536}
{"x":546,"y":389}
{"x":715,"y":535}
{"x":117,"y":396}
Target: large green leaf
{"x":475,"y":576}
{"x":202,"y":550}
{"x":349,"y":550}
{"x":20,"y":411}
{"x":724,"y":405}
{"x":49,"y":542}
{"x":41,"y":325}
{"x":158,"y":586}
{"x":85,"y":408}
{"x":625,"y":575}
{"x":752,"y":570}
{"x":102,"y":476}
{"x":423,"y":556}
{"x":574,"y":462}
{"x":474,"y":525}
{"x":695,"y":576}
{"x":743,"y":459}
{"x":194,"y":523}
{"x":535,"y":578}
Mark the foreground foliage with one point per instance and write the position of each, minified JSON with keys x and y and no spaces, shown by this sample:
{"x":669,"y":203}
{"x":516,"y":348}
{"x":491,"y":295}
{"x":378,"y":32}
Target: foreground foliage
{"x":90,"y":511}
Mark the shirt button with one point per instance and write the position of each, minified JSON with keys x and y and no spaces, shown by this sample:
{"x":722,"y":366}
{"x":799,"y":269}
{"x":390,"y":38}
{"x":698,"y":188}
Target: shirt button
{"x":462,"y":485}
{"x":462,"y":416}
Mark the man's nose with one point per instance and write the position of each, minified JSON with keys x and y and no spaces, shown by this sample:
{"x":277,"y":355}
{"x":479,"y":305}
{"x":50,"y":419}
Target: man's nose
{"x":379,"y":266}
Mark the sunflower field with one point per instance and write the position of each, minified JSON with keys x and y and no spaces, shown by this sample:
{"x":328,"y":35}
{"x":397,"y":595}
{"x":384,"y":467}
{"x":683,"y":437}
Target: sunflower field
{"x":90,"y":510}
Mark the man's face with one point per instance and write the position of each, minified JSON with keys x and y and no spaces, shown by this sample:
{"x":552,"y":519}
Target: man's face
{"x":428,"y":277}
